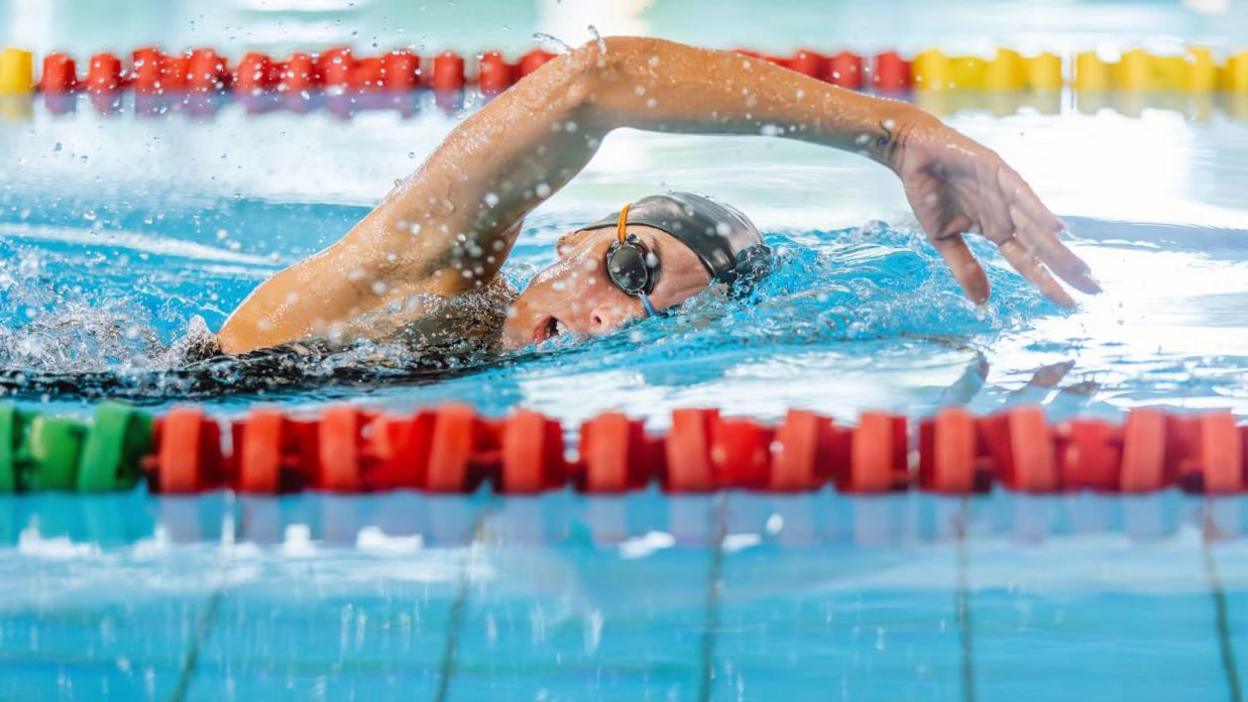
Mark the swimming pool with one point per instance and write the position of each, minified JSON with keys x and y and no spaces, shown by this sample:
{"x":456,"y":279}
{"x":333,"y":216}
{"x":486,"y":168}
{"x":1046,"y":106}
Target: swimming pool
{"x":127,"y":225}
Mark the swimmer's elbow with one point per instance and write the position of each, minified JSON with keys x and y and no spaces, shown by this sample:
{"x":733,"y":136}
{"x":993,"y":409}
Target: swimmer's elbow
{"x":608,"y":57}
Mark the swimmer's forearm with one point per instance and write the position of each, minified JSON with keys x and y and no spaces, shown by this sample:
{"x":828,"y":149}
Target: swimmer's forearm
{"x":309,"y":299}
{"x":444,"y":230}
{"x":666,"y":86}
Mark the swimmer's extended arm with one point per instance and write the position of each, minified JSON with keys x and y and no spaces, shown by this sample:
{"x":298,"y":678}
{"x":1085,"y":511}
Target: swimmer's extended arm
{"x":447,"y":228}
{"x":954,"y":184}
{"x":444,"y":230}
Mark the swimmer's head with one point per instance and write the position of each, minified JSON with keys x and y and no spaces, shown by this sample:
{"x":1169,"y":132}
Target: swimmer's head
{"x":646,"y":259}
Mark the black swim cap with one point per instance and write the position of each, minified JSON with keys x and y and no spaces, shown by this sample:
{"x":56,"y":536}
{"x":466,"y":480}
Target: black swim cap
{"x":724,"y":239}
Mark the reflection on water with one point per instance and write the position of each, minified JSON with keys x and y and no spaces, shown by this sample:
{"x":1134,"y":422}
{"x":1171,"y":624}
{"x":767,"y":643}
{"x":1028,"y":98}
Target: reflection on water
{"x":563,"y":596}
{"x":118,"y":231}
{"x":851,"y":319}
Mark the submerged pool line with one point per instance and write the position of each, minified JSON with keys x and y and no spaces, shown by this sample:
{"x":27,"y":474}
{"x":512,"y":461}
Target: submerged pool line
{"x":451,"y":449}
{"x":338,"y":69}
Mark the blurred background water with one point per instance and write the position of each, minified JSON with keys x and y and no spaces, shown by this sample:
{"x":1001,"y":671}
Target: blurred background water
{"x":116,"y":228}
{"x":143,"y":220}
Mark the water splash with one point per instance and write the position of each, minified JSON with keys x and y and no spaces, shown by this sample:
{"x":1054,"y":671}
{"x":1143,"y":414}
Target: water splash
{"x":66,"y":331}
{"x":548,"y":40}
{"x":602,"y":44}
{"x":856,"y":285}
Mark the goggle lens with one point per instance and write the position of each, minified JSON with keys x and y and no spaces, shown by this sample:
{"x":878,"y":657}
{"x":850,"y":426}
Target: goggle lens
{"x":627,"y":267}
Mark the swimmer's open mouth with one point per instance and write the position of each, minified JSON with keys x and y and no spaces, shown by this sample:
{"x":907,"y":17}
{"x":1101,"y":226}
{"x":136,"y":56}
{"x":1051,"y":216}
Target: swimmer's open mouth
{"x":549,"y":329}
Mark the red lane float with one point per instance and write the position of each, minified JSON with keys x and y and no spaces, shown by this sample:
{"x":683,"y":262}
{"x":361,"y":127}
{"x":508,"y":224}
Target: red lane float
{"x":1204,"y":453}
{"x":1020,"y":443}
{"x":448,"y":72}
{"x":891,"y":73}
{"x":187,"y":456}
{"x":531,"y":457}
{"x":809,"y":63}
{"x":60,"y":75}
{"x":104,"y":73}
{"x":804,"y":453}
{"x":336,"y":67}
{"x":877,"y":455}
{"x":339,"y":69}
{"x":532,"y":61}
{"x":206,"y":71}
{"x":494,"y":74}
{"x":450,"y":449}
{"x":272,"y":452}
{"x":1089,"y":452}
{"x":369,"y":75}
{"x":948,"y":456}
{"x":146,"y":66}
{"x":687,"y":451}
{"x":845,"y":70}
{"x":616,"y":455}
{"x":299,"y":73}
{"x":402,"y":71}
{"x":256,"y":73}
{"x":1143,"y":452}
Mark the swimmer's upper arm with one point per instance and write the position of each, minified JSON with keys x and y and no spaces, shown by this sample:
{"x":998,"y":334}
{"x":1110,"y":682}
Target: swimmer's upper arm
{"x":453,"y":222}
{"x":448,"y":227}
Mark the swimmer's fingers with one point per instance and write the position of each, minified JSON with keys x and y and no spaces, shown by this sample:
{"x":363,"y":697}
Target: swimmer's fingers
{"x":1046,"y":244}
{"x":1040,"y":231}
{"x":1030,"y":266}
{"x":1021,"y":196}
{"x":969,"y":274}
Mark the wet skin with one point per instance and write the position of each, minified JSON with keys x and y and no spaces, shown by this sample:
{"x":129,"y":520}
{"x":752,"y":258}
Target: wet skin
{"x":446,"y":230}
{"x":574,"y":294}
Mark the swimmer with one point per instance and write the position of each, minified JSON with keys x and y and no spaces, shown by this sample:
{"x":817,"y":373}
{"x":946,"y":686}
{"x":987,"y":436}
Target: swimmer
{"x":427,"y":258}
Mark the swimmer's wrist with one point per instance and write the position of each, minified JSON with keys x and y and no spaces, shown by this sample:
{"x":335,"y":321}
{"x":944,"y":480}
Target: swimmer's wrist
{"x":897,"y":131}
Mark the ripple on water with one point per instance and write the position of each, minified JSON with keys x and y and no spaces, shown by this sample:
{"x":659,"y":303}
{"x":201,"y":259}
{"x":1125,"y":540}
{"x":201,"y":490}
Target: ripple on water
{"x":852,"y":318}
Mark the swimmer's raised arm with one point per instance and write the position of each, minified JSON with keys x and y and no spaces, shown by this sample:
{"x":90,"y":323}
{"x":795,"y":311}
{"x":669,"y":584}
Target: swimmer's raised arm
{"x":448,"y":227}
{"x":954,"y":184}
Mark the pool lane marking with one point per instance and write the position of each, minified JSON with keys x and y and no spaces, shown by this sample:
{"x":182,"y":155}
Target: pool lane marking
{"x":455,"y":622}
{"x":962,"y":603}
{"x":190,"y":664}
{"x":1221,"y":621}
{"x":203,"y":625}
{"x":714,"y":591}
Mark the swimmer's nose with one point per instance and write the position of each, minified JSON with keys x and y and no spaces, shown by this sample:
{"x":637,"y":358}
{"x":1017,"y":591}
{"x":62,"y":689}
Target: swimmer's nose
{"x":605,"y":318}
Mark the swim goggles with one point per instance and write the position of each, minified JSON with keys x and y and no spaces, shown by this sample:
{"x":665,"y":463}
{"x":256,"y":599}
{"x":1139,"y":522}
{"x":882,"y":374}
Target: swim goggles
{"x":631,"y":265}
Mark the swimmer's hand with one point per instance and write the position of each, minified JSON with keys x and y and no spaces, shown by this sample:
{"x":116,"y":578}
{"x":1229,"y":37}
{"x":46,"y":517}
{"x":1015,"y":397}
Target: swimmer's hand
{"x":957,"y":185}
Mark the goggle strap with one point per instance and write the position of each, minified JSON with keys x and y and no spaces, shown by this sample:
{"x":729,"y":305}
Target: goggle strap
{"x":645,"y":303}
{"x":621,"y":224}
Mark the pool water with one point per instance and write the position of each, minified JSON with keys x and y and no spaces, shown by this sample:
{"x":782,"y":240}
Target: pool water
{"x":116,"y":229}
{"x":119,"y":229}
{"x":563,"y":597}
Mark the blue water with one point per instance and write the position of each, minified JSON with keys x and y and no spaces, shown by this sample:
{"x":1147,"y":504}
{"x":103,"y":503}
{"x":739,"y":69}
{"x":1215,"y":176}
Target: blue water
{"x":115,"y":229}
{"x":641,"y":597}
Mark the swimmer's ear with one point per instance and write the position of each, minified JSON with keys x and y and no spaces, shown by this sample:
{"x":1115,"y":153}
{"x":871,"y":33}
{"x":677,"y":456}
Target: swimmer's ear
{"x":570,"y":241}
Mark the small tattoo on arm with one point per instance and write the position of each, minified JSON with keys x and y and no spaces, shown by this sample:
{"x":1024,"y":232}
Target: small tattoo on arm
{"x":886,"y":139}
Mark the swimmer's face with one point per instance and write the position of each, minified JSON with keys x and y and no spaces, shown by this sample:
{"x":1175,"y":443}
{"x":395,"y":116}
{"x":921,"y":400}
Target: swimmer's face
{"x":574,"y":294}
